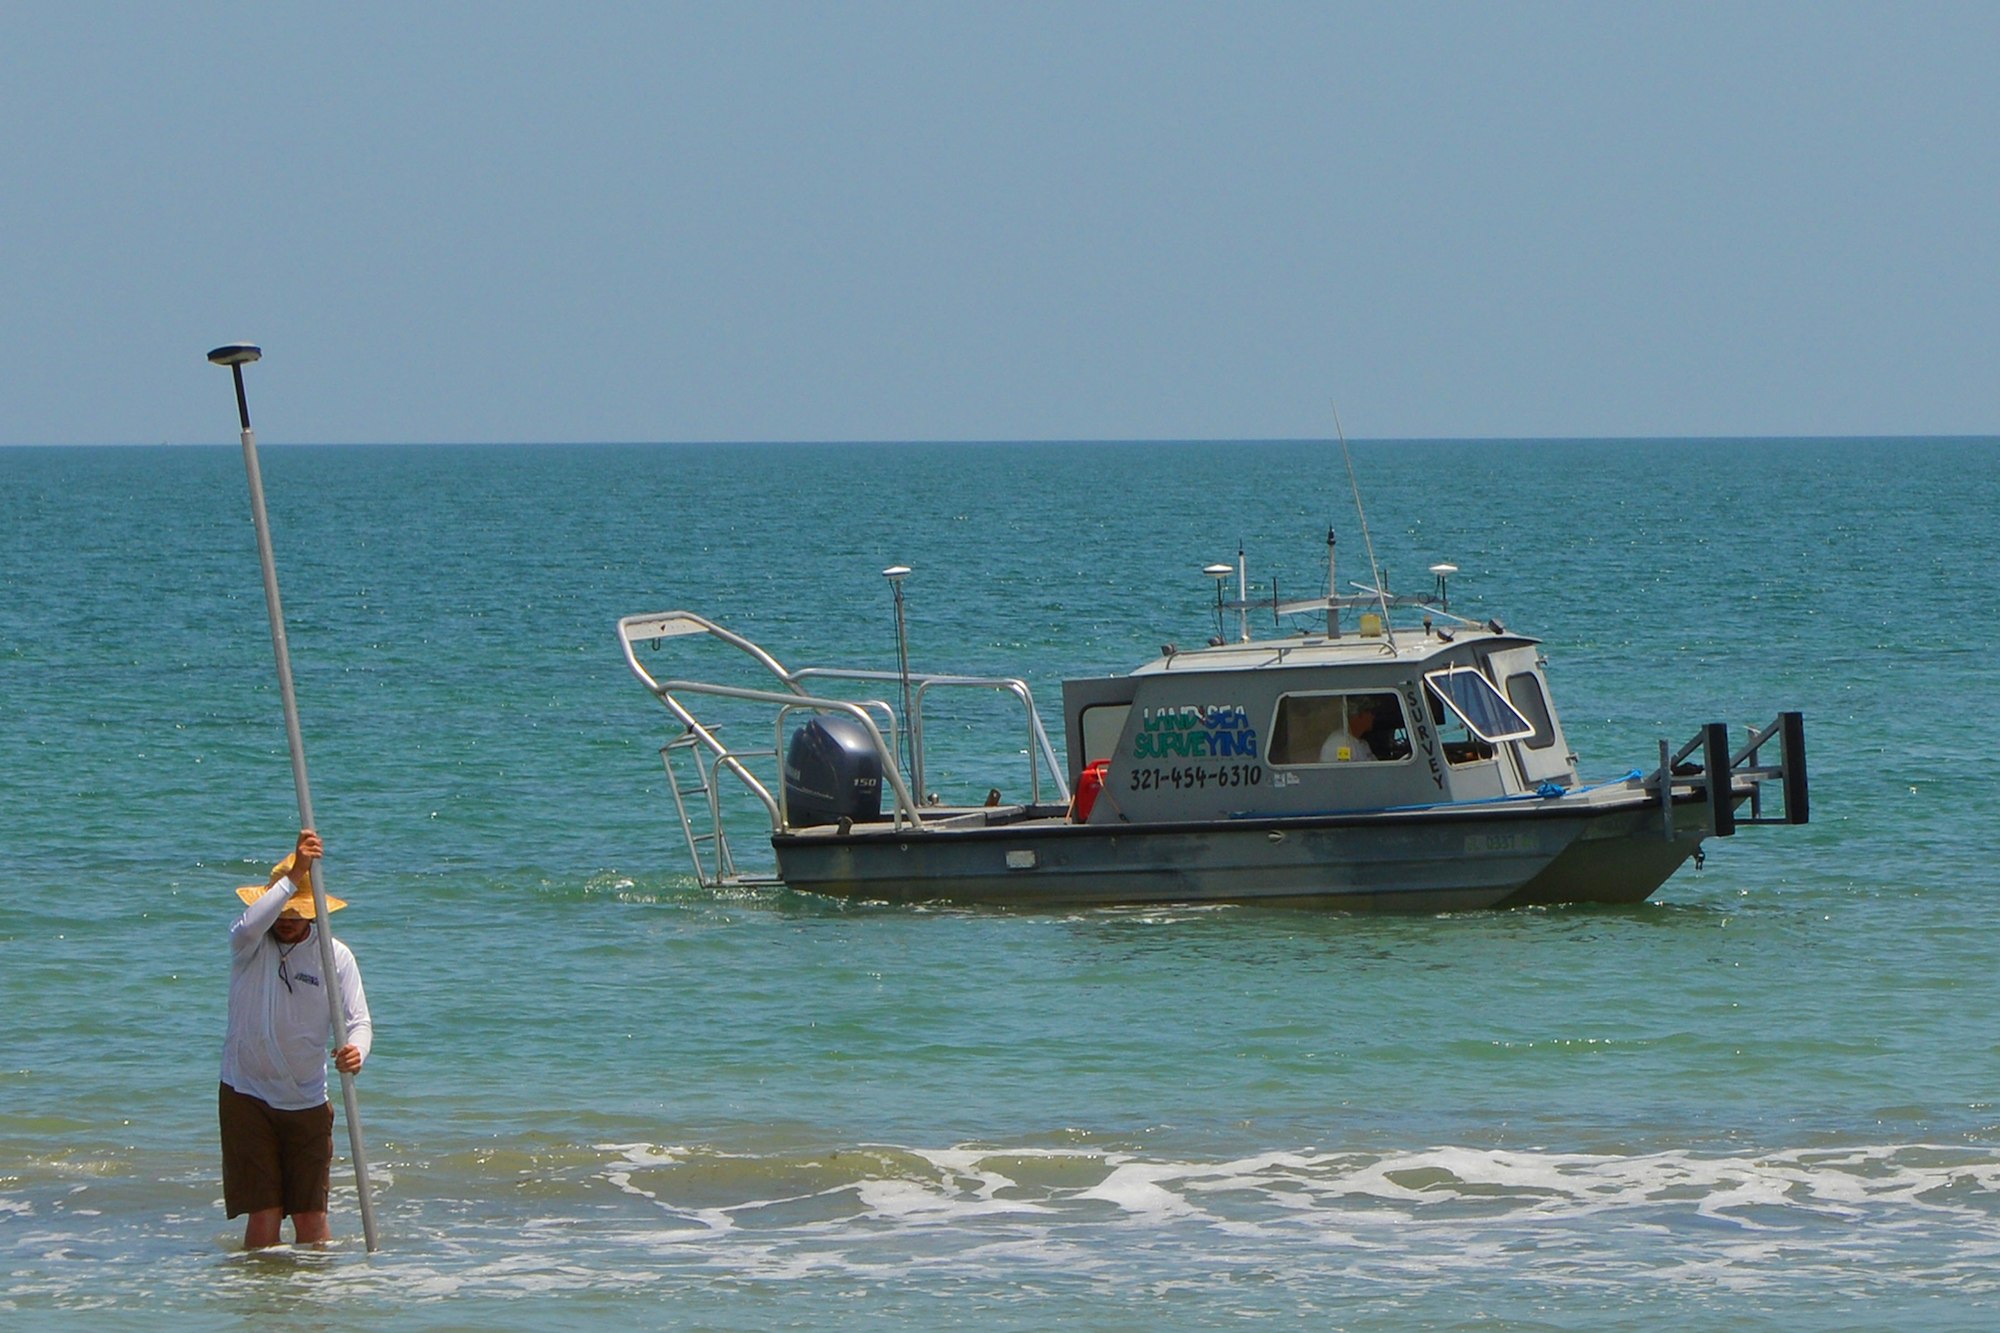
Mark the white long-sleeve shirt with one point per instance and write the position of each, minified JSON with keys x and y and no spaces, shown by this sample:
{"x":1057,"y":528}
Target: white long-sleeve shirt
{"x":279,"y":1023}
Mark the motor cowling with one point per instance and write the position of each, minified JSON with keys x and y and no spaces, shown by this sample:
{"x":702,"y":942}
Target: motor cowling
{"x":832,"y":771}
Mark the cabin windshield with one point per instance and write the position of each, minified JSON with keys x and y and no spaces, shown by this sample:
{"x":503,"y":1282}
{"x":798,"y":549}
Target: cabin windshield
{"x":1339,"y":729}
{"x":1483,"y":709}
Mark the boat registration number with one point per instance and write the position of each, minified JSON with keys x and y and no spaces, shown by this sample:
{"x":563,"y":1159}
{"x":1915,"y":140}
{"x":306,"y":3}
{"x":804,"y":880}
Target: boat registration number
{"x":1519,"y":840}
{"x":1196,"y":777}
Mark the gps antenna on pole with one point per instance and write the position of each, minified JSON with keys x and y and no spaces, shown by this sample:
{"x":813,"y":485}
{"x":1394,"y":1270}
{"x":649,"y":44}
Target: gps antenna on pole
{"x":236,"y":356}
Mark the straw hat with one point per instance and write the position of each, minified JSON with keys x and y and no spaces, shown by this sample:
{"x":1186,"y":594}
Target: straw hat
{"x":301,"y":902}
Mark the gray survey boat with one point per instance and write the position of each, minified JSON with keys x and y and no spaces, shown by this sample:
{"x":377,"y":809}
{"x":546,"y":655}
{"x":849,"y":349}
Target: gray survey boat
{"x":1369,"y":765}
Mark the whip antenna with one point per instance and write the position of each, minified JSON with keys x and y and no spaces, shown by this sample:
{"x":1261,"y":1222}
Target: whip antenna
{"x":1374,"y":570}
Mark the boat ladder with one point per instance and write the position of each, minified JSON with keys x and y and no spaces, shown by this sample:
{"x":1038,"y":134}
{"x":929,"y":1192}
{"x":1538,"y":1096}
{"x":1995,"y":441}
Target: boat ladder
{"x":699,"y":806}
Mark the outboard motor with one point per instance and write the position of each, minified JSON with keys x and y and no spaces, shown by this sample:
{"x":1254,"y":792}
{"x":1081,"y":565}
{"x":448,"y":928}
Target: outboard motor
{"x":832,"y":770}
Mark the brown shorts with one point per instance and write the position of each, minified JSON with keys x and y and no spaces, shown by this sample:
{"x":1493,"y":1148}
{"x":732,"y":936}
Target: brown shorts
{"x":273,"y":1158}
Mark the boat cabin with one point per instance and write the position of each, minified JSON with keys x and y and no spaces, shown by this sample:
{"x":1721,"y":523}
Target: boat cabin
{"x":1316,"y":725}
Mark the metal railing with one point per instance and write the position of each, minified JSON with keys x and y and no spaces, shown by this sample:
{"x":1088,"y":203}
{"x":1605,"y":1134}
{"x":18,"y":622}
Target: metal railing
{"x":1037,"y":736}
{"x":794,"y":697}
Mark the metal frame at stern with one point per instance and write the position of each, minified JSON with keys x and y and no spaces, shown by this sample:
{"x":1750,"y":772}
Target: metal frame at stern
{"x":696,"y":760}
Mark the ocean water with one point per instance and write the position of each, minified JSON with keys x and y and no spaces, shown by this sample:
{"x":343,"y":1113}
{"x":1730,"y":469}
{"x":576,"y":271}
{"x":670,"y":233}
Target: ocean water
{"x":602,"y":1096}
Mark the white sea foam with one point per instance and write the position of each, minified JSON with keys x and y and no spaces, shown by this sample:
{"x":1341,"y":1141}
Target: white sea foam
{"x":644,"y":1154}
{"x":1732,"y":1222}
{"x":1145,"y":1189}
{"x":1858,"y":1217}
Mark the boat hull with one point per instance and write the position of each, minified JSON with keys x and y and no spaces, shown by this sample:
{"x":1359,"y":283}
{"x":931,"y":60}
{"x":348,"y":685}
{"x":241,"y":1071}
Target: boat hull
{"x":1444,"y":860}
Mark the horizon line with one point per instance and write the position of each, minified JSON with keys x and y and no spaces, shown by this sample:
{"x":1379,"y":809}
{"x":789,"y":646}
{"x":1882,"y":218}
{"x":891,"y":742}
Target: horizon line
{"x":1970,"y":436}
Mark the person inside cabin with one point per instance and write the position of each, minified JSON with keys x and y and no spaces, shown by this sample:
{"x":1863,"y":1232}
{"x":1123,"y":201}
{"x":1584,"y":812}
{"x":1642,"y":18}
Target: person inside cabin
{"x":1387,"y":735}
{"x":1373,"y":731}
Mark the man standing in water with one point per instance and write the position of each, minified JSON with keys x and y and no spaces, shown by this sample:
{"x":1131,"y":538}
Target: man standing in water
{"x":277,"y":1125}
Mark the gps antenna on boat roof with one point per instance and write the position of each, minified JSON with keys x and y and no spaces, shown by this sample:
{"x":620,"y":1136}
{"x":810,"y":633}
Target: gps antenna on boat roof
{"x":1442,"y":572}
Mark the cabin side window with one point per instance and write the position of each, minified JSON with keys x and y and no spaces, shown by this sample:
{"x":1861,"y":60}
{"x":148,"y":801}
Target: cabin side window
{"x":1101,"y":726}
{"x":1339,"y":729}
{"x":1525,"y":693}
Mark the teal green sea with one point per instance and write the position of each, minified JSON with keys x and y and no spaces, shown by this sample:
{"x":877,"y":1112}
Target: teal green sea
{"x":602,"y":1096}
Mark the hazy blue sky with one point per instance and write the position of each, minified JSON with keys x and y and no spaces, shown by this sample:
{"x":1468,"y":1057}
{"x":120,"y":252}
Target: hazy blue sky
{"x":578,"y":221}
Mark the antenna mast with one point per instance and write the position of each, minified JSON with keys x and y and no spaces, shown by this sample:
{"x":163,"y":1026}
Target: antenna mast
{"x":1242,"y":594}
{"x":896,"y":574}
{"x":1332,"y":587}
